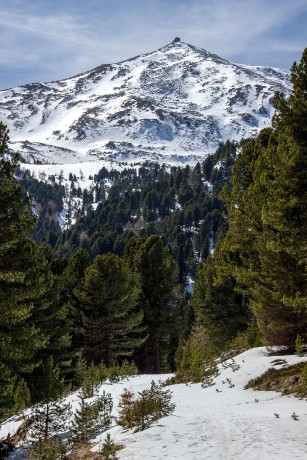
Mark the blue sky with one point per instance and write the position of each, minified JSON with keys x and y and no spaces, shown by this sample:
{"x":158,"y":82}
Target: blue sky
{"x":43,"y":40}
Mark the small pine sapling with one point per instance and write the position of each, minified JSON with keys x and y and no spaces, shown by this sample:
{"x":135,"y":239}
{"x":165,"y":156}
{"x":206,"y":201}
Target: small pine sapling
{"x":299,"y":345}
{"x":103,"y":371}
{"x":126,"y":409}
{"x":84,"y":423}
{"x":50,"y":449}
{"x":114,"y":373}
{"x":91,"y":417}
{"x":91,"y":381}
{"x":22,"y":397}
{"x":128,"y":369}
{"x":103,"y":406}
{"x":150,"y":405}
{"x":80,"y":371}
{"x":52,"y":413}
{"x":109,"y":448}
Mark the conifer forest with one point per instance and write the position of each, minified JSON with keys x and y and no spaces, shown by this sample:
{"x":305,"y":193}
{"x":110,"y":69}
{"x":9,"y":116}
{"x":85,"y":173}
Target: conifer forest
{"x":173,"y":266}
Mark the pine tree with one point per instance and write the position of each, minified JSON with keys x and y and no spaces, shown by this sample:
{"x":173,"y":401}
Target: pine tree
{"x":91,"y":417}
{"x":22,"y":397}
{"x":91,"y":380}
{"x":151,"y":405}
{"x":51,"y":414}
{"x":52,"y":318}
{"x":126,"y":403}
{"x":265,"y":248}
{"x":104,"y":407}
{"x":218,"y":307}
{"x":109,"y":448}
{"x":156,"y":268}
{"x":23,"y":278}
{"x":282,"y":244}
{"x":194,"y":355}
{"x":79,"y":371}
{"x":108,"y":296}
{"x":69,"y":281}
{"x":84,"y":422}
{"x":50,"y":449}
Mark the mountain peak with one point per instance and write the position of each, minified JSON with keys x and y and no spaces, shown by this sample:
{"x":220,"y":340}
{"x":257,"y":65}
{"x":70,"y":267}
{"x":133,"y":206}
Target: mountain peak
{"x":178,"y":100}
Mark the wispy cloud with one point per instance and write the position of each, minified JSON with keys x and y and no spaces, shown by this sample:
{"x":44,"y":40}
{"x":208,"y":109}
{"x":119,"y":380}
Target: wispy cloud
{"x":58,"y":38}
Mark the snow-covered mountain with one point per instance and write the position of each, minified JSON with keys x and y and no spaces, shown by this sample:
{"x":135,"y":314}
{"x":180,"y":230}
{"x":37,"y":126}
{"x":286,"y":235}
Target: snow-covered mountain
{"x":177,"y":102}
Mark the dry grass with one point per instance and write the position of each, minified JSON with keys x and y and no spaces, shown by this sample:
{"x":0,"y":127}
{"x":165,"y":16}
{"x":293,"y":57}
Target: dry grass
{"x":84,"y":452}
{"x":288,"y":380}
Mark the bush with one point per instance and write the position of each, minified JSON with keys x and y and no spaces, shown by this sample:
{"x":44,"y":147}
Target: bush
{"x":196,"y":354}
{"x":50,"y":449}
{"x":150,"y":405}
{"x":109,"y":449}
{"x":118,"y":372}
{"x":91,"y":381}
{"x":90,"y":418}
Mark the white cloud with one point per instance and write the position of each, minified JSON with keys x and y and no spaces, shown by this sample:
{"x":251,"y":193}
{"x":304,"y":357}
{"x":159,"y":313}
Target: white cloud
{"x":67,"y":37}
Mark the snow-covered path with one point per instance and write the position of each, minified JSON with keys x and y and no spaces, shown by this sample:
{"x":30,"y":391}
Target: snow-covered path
{"x":221,"y":422}
{"x":224,"y":422}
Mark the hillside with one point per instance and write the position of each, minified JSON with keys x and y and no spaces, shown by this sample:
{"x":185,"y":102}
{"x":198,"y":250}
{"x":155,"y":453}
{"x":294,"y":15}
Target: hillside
{"x":218,"y":422}
{"x":174,"y":104}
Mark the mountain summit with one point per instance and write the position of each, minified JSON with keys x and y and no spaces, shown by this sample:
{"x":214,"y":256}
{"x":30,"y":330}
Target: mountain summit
{"x":179,"y":101}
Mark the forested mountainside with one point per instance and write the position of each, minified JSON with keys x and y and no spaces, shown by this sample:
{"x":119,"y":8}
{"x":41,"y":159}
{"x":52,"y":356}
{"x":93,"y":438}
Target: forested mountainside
{"x":70,"y":316}
{"x":180,"y":204}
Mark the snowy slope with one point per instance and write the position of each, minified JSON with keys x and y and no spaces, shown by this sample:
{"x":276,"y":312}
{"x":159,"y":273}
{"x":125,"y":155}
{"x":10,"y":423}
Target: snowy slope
{"x":216,"y":423}
{"x":176,"y":103}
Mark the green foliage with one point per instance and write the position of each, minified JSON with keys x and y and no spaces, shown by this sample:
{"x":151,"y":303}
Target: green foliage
{"x":287,"y":380}
{"x":50,"y":449}
{"x":79,"y":371}
{"x":209,"y":375}
{"x":25,"y":281}
{"x":149,"y":406}
{"x":174,"y":203}
{"x":48,"y":204}
{"x":249,"y":338}
{"x":91,"y":380}
{"x":128,"y":369}
{"x":195,"y":356}
{"x":114,"y":373}
{"x":51,"y":414}
{"x":299,"y":345}
{"x":104,"y":406}
{"x":265,"y":247}
{"x":92,"y":376}
{"x":108,"y":296}
{"x":84,"y":424}
{"x":22,"y":397}
{"x":218,"y":307}
{"x":304,"y":379}
{"x":109,"y":448}
{"x":156,"y":269}
{"x":7,"y":385}
{"x":90,"y":418}
{"x":117,"y":372}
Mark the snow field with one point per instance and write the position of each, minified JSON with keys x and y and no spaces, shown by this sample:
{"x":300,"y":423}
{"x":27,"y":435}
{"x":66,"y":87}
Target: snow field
{"x":221,"y":422}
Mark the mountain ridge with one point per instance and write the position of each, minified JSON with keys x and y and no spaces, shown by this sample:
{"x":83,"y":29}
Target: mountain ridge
{"x":179,"y":101}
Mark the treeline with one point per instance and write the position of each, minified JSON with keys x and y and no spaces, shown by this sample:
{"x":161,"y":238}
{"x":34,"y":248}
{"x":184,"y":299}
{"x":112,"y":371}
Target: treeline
{"x":254,"y":290}
{"x":59,"y":313}
{"x":180,"y":204}
{"x":48,"y":201}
